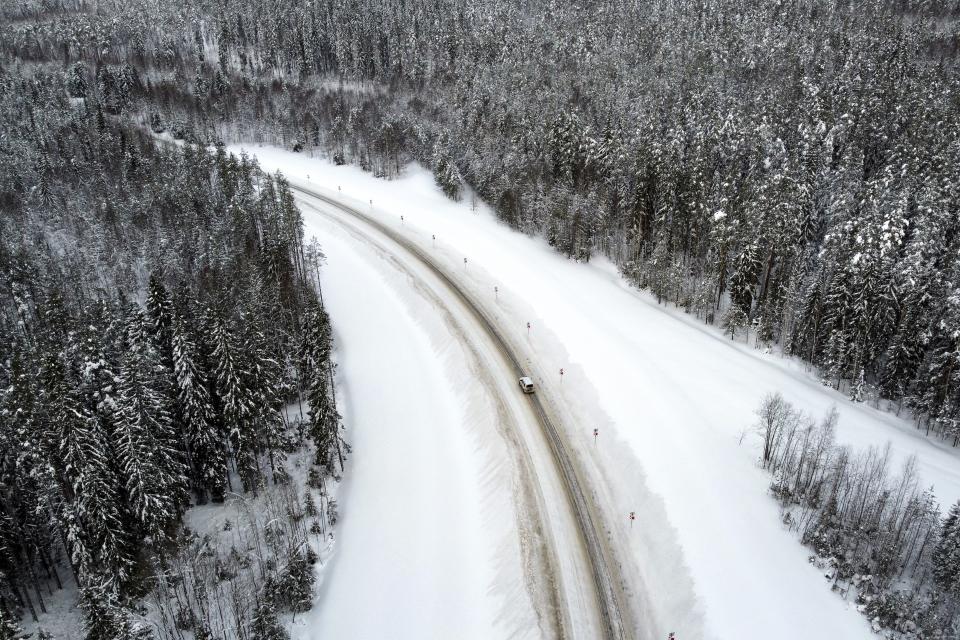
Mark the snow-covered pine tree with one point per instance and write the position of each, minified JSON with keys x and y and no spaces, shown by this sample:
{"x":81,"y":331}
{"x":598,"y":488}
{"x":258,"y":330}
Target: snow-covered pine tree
{"x":743,"y":280}
{"x":159,"y":319}
{"x":204,"y":439}
{"x":29,"y":538}
{"x":266,"y":382}
{"x":656,"y":276}
{"x":903,"y":355}
{"x":107,"y":618}
{"x":445,"y":171}
{"x":838,"y":327}
{"x":265,"y":625}
{"x":807,"y":332}
{"x":297,"y":581}
{"x":939,"y":397}
{"x":734,"y":319}
{"x":155,"y":472}
{"x":324,"y":420}
{"x":93,"y":513}
{"x":946,"y":555}
{"x":237,"y":404}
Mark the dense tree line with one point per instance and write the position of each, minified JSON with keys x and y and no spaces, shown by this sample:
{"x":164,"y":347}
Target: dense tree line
{"x":157,"y":317}
{"x":874,"y":533}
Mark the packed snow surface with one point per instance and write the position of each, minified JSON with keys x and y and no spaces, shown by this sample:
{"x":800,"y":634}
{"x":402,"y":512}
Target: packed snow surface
{"x":674,"y":401}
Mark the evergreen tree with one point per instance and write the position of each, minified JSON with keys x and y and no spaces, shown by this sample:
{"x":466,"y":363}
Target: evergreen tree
{"x":324,"y":420}
{"x":204,"y":440}
{"x":745,"y":272}
{"x":77,"y":80}
{"x":146,"y":444}
{"x":238,"y":409}
{"x":107,"y":618}
{"x":265,"y":625}
{"x":734,"y":319}
{"x":265,"y":380}
{"x":93,"y":512}
{"x":159,"y":320}
{"x":946,"y":555}
{"x":445,"y":170}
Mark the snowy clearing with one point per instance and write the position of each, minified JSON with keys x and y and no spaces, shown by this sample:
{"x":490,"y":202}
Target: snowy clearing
{"x":678,"y":396}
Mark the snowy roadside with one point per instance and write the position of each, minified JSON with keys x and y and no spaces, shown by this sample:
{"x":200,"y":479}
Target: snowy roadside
{"x":676,"y":399}
{"x":428,"y":546}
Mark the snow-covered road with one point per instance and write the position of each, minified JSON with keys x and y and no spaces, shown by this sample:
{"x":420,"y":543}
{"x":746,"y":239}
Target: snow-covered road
{"x":573,"y":582}
{"x":707,"y":556}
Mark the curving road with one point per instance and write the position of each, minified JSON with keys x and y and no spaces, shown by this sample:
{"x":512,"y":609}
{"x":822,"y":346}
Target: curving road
{"x":607,"y":584}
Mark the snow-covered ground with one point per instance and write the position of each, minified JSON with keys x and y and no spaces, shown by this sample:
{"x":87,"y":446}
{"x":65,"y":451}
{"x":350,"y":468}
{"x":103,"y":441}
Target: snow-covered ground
{"x":427,"y":543}
{"x":671,"y":398}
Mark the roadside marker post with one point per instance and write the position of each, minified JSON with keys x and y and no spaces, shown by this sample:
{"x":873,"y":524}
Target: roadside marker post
{"x":434,"y":238}
{"x":496,"y":293}
{"x":561,"y":375}
{"x":528,"y":329}
{"x":633,"y":516}
{"x":596,"y":432}
{"x":464,"y":263}
{"x":401,"y":219}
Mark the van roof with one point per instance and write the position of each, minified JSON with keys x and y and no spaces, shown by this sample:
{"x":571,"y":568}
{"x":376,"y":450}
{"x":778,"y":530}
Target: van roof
{"x":526,"y":379}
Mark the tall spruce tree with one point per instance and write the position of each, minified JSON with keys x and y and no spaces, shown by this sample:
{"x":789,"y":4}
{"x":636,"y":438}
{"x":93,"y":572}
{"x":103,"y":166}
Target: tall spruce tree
{"x":159,"y":320}
{"x":146,"y":445}
{"x":205,"y":443}
{"x":946,"y":555}
{"x":93,"y":509}
{"x":237,"y":402}
{"x":324,"y":419}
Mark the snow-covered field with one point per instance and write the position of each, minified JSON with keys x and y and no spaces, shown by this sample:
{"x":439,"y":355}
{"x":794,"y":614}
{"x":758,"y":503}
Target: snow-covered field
{"x":671,"y":398}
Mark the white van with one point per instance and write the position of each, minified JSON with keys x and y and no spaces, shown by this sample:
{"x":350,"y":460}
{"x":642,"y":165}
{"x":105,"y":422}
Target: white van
{"x":526,"y":384}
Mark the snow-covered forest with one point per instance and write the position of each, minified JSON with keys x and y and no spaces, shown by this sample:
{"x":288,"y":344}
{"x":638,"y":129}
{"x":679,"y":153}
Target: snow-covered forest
{"x":786,"y":171}
{"x":159,"y":313}
{"x":791,"y":167}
